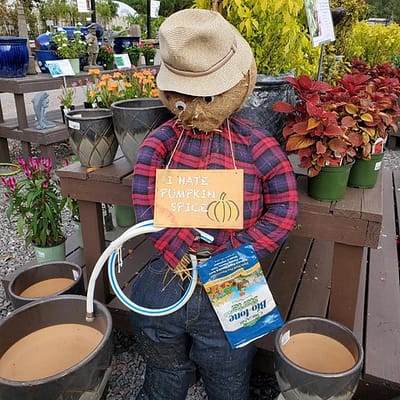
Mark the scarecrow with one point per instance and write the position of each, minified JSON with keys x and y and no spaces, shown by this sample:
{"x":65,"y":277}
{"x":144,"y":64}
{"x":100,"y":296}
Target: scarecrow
{"x":207,"y":72}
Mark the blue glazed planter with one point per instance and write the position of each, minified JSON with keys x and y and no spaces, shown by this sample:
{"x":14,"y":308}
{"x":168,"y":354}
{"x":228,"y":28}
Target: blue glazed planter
{"x":14,"y":57}
{"x":45,"y":55}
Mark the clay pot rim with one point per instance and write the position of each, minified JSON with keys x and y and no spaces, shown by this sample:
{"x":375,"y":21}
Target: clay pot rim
{"x":106,"y":337}
{"x":41,"y":265}
{"x":356,"y":366}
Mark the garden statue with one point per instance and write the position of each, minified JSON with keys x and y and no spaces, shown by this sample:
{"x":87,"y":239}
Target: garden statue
{"x":40,"y":102}
{"x":92,"y":45}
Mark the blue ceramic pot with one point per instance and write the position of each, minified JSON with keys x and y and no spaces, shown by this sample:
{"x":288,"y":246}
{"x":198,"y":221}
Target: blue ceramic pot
{"x":14,"y":57}
{"x":121,"y":41}
{"x":45,"y":55}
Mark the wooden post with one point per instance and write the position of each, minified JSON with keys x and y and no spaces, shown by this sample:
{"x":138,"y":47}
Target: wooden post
{"x":216,"y":5}
{"x":23,"y":32}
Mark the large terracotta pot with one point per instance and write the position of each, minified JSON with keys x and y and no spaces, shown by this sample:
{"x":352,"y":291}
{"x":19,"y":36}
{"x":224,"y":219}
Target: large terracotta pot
{"x":134,"y":120}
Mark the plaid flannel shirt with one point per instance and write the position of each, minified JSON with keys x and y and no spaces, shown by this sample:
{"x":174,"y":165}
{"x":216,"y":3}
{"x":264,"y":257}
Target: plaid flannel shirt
{"x":270,"y":195}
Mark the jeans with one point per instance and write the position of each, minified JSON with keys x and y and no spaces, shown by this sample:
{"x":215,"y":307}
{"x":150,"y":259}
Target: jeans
{"x":176,"y":345}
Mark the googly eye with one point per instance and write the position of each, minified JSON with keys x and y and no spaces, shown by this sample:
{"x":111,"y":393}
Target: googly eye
{"x":208,"y":99}
{"x":180,"y":105}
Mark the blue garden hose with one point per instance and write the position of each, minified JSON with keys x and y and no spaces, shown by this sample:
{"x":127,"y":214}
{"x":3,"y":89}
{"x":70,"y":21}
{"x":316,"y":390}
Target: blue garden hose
{"x":113,"y":254}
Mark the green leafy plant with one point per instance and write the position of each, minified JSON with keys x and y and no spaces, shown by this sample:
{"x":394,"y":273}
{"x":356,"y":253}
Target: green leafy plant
{"x":372,"y":43}
{"x":133,"y":53}
{"x":66,"y":48}
{"x":67,"y":96}
{"x":147,"y":49}
{"x":35,"y":200}
{"x":276,"y":31}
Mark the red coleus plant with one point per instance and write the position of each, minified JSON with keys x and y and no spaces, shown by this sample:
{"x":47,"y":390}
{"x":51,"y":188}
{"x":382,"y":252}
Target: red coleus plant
{"x":331,"y":125}
{"x":313,"y":129}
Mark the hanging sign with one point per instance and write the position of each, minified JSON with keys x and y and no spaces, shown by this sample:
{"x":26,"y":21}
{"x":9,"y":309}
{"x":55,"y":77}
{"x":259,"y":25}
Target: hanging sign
{"x":320,"y":23}
{"x":193,"y":198}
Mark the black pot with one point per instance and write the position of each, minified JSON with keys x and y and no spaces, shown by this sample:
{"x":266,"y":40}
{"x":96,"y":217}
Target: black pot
{"x":73,"y":382}
{"x":258,"y":107}
{"x":92,"y":137}
{"x":134,"y":119}
{"x":35,"y":274}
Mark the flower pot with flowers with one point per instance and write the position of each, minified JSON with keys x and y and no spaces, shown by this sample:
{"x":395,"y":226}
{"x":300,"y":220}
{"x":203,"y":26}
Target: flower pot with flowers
{"x":370,"y":113}
{"x":36,"y":202}
{"x":106,"y":57}
{"x":315,"y":132}
{"x":70,"y":49}
{"x":148,"y":50}
{"x":139,"y":113}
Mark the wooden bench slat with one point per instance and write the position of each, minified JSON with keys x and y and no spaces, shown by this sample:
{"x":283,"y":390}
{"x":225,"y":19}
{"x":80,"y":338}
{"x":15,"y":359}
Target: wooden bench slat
{"x":312,"y":297}
{"x":382,"y":346}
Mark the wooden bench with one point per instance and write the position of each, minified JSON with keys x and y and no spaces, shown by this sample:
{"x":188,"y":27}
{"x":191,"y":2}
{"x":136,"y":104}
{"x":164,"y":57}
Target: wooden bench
{"x":299,"y":275}
{"x":45,"y":138}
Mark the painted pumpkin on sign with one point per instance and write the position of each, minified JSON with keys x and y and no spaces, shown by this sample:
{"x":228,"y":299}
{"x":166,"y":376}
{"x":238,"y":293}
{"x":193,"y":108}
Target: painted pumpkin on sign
{"x":223,"y":210}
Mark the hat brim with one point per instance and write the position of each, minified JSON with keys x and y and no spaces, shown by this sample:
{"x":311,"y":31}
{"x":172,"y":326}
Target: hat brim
{"x":211,"y":84}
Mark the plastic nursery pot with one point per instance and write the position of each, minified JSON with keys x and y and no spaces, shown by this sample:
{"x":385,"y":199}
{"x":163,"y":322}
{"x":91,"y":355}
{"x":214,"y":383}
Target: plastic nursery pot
{"x":317,"y":359}
{"x":45,"y":280}
{"x":330,"y":184}
{"x":51,"y":253}
{"x":8,"y":169}
{"x":63,"y":355}
{"x":364,"y":173}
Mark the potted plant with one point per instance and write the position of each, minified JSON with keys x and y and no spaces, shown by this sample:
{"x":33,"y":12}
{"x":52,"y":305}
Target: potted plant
{"x":70,"y":49}
{"x":372,"y":112}
{"x":106,"y":57}
{"x":66,"y":98}
{"x":133,"y":52}
{"x":36,"y":202}
{"x":315,"y":132}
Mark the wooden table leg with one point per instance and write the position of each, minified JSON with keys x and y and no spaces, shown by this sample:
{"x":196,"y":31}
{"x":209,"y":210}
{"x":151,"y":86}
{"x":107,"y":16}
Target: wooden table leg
{"x":346,"y":269}
{"x":4,"y":152}
{"x":91,"y":217}
{"x":22,"y":122}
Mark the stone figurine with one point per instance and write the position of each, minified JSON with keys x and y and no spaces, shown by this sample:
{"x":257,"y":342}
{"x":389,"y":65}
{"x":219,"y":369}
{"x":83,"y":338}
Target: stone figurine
{"x":40,"y":103}
{"x":92,"y":45}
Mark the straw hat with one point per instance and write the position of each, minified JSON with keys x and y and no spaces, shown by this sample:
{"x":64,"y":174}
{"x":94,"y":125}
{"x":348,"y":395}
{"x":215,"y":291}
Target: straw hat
{"x":202,"y":54}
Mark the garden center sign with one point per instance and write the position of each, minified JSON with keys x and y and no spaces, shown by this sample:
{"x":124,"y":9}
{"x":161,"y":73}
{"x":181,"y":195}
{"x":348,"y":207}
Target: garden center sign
{"x":319,"y":19}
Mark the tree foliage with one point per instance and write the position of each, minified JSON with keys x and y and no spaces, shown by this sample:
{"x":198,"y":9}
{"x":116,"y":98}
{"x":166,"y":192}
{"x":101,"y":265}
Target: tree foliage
{"x":389,"y":9}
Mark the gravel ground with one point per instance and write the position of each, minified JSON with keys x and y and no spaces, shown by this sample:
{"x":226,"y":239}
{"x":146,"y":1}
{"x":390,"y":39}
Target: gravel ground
{"x":127,"y":366}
